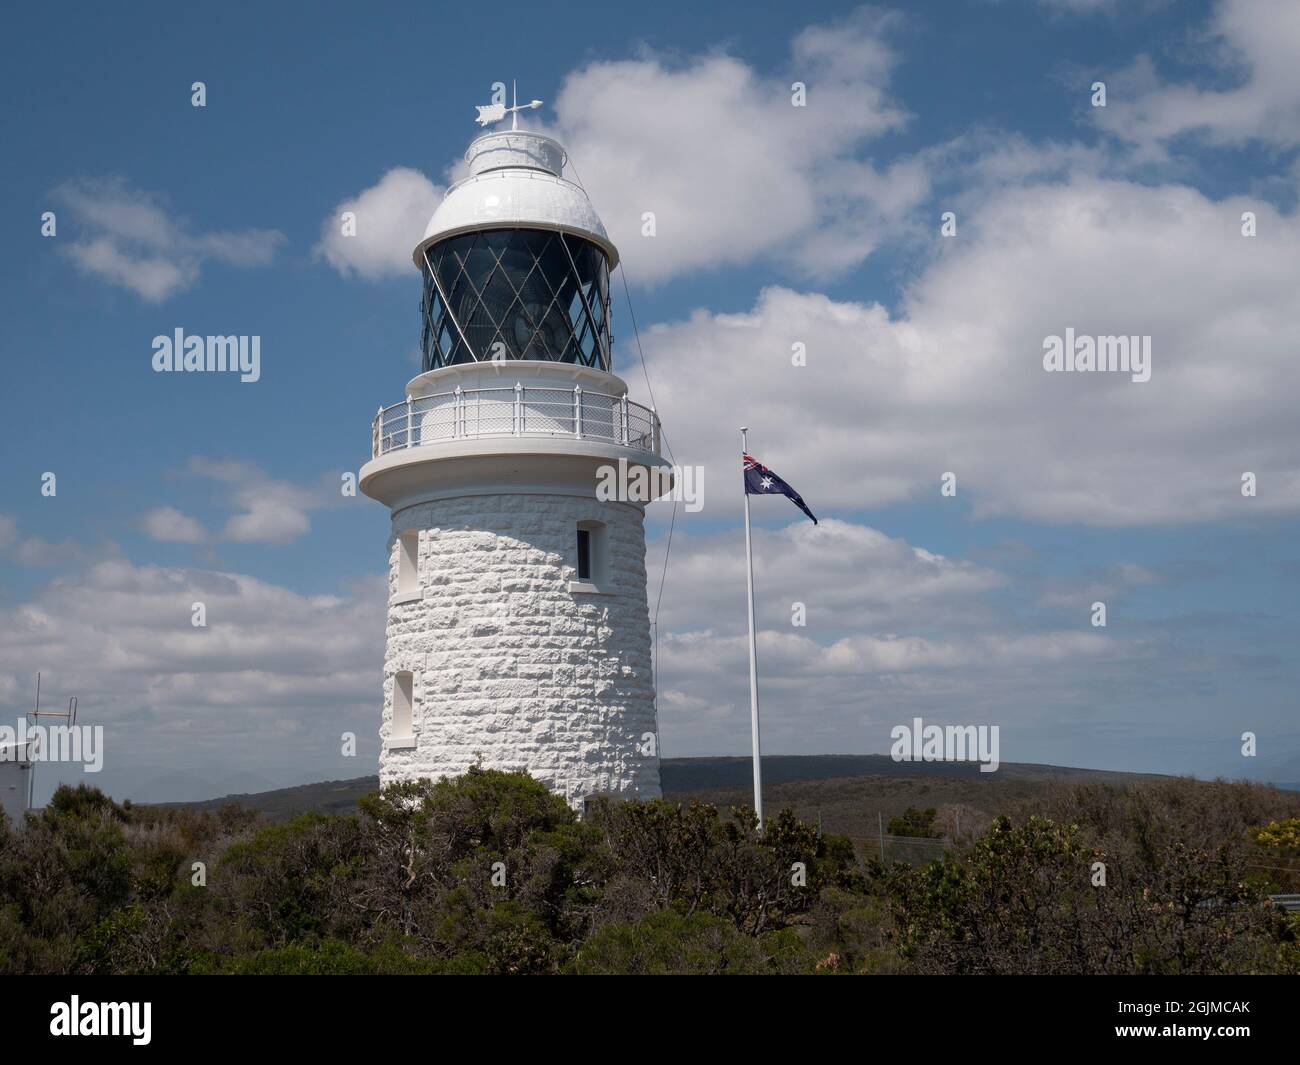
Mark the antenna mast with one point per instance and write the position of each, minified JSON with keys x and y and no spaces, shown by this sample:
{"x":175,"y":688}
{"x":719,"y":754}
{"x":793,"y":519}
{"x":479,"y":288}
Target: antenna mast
{"x":70,"y":715}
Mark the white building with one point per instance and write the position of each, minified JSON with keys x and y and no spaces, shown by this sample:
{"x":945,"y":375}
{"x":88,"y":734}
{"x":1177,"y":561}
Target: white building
{"x":518,"y":630}
{"x":15,"y":781}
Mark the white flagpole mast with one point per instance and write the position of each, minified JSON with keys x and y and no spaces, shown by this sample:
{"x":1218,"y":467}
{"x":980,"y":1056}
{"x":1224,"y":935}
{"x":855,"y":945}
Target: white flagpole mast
{"x":753,"y":650}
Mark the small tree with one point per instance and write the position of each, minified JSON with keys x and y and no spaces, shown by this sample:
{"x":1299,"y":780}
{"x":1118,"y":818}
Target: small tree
{"x":914,"y":822}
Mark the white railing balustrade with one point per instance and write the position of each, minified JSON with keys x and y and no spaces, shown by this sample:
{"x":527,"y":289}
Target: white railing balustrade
{"x":520,"y":410}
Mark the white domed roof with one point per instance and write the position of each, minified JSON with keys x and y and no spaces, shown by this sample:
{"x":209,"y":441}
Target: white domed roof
{"x":515,"y":182}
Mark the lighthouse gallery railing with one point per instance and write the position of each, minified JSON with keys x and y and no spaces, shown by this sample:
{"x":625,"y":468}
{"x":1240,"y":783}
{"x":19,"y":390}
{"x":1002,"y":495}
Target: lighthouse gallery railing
{"x":519,"y":411}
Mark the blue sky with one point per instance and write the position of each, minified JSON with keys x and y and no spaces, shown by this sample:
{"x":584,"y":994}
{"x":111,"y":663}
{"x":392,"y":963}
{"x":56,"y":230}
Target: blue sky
{"x":776,"y":224}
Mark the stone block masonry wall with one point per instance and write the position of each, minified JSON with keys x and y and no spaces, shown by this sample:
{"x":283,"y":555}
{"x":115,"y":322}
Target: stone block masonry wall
{"x":512,"y":668}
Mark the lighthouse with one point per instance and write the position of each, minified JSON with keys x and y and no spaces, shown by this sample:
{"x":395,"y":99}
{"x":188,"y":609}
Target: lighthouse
{"x":518,"y":634}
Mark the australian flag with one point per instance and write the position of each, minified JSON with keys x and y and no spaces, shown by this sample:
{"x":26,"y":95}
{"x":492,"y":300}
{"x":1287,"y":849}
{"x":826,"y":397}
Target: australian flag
{"x":760,"y":481}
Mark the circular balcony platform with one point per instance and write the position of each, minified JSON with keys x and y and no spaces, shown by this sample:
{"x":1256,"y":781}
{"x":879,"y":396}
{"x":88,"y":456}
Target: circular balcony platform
{"x":518,"y":411}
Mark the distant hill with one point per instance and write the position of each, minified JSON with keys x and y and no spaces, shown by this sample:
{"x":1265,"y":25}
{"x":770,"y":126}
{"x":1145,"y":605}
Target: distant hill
{"x":684,"y":775}
{"x":856,"y":795}
{"x":845,"y":792}
{"x":327,"y":797}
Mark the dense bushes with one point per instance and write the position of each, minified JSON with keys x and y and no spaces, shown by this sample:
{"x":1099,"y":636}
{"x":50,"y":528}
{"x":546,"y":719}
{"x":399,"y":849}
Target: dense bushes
{"x":492,"y":874}
{"x":1167,"y":877}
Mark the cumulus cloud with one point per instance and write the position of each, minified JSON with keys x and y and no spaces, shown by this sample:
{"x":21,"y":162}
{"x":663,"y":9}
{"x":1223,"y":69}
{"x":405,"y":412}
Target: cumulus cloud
{"x":267,"y":687}
{"x":714,"y":148}
{"x":954,"y":380}
{"x":266,"y":509}
{"x":390,"y":217}
{"x":893,"y":631}
{"x":267,"y":521}
{"x":893,"y":582}
{"x":1254,"y":43}
{"x":1113,"y":585}
{"x":896,"y":631}
{"x":889,"y":629}
{"x":37,"y":551}
{"x":731,"y":170}
{"x":262,"y":694}
{"x":171,"y":526}
{"x":128,"y":238}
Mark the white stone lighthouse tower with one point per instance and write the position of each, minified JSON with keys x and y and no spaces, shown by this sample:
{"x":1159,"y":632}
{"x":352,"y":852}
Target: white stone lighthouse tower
{"x":518,"y":630}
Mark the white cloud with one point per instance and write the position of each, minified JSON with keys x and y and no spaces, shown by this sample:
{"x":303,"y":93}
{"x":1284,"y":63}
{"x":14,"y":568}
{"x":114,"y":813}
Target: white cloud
{"x":263,"y":694}
{"x":892,"y":630}
{"x":36,"y":551}
{"x":895,"y":631}
{"x":267,"y":510}
{"x":1077,"y":594}
{"x":1255,"y":43}
{"x":270,"y":511}
{"x":151,"y":277}
{"x":171,"y":526}
{"x":732,"y":171}
{"x":954,"y":381}
{"x":275,"y":678}
{"x":892,"y":583}
{"x":267,"y":520}
{"x":128,"y":239}
{"x":390,"y":220}
{"x":268,"y":686}
{"x":793,"y":656}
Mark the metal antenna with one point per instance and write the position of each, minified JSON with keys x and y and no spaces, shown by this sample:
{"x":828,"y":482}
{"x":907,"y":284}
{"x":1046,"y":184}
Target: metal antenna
{"x":27,"y":748}
{"x":70,"y":716}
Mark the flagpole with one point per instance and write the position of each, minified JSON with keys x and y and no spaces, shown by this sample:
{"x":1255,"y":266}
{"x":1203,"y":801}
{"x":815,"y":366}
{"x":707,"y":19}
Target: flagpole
{"x":753,"y":649}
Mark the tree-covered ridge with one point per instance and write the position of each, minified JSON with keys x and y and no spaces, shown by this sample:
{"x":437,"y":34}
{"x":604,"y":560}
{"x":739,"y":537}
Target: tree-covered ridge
{"x":490,"y":873}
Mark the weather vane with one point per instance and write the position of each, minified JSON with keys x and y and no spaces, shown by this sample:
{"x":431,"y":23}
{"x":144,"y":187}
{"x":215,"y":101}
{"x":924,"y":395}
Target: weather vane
{"x":489,"y":113}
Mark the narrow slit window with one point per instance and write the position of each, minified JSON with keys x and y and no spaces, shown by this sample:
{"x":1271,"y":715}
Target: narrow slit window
{"x":403,"y":704}
{"x":408,"y":564}
{"x":584,"y":554}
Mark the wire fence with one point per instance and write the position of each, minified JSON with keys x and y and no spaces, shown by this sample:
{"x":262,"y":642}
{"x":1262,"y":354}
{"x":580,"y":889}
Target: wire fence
{"x":910,"y":850}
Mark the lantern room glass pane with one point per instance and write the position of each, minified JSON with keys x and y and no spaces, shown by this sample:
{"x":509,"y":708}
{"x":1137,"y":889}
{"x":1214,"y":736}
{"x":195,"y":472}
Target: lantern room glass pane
{"x":517,"y":294}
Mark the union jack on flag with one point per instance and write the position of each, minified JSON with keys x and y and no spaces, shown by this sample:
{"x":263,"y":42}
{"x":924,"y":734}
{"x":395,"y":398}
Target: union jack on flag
{"x":760,"y":481}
